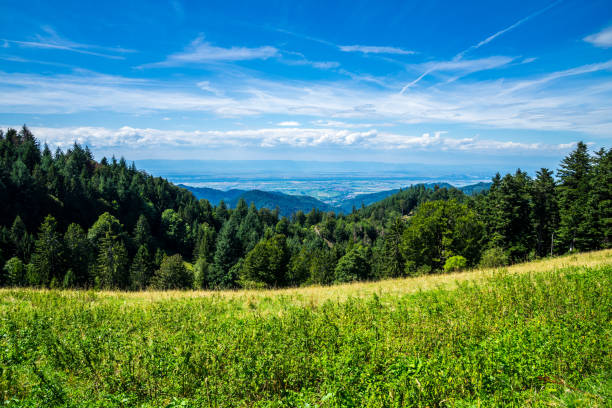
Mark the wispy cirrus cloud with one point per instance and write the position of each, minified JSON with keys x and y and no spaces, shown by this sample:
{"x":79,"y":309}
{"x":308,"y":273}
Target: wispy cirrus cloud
{"x":509,"y":28}
{"x":370,"y":49}
{"x":601,"y":39}
{"x":53,"y":41}
{"x":201,"y":52}
{"x":459,"y":57}
{"x":567,"y":100}
{"x":315,"y":64}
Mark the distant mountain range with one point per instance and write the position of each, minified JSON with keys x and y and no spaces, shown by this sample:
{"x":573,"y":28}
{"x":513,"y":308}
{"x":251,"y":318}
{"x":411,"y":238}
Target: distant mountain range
{"x":289,"y":204}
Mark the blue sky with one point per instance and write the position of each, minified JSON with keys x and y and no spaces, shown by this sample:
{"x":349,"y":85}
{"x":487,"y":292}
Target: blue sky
{"x":431,"y":82}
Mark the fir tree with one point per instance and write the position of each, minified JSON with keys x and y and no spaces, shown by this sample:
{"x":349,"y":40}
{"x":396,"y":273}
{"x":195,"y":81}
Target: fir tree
{"x":545,"y":211}
{"x":111,"y":268}
{"x":48,"y":257}
{"x":141,"y":269}
{"x":575,"y":222}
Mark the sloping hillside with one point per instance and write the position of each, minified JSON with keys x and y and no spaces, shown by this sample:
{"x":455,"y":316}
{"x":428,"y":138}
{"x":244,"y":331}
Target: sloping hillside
{"x":534,"y":335}
{"x":287,"y":204}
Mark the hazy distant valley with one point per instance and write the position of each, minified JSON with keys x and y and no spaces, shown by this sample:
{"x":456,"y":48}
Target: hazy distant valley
{"x":295,"y":185}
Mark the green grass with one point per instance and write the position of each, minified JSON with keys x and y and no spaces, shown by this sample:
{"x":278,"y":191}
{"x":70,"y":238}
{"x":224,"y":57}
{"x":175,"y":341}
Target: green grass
{"x":508,"y":339}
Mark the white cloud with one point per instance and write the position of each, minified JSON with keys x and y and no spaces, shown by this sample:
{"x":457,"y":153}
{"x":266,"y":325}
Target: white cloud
{"x":288,"y":123}
{"x":509,"y":28}
{"x":568,"y":100}
{"x":487,"y":40}
{"x":601,"y":39}
{"x":200,"y":51}
{"x":51,"y":40}
{"x":129,"y":137}
{"x":315,"y":64}
{"x":368,"y":49}
{"x":460,"y":67}
{"x":206,"y":86}
{"x":347,"y":125}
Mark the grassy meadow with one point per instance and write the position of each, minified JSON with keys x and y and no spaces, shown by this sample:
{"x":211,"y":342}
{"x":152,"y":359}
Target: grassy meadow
{"x":535,"y":334}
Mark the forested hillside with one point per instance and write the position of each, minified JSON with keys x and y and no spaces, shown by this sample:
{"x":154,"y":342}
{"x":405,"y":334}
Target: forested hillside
{"x":70,"y":221}
{"x":286,"y":204}
{"x":289,"y":204}
{"x":362,"y":200}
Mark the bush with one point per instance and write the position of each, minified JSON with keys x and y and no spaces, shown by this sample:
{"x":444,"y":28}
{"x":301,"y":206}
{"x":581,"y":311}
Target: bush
{"x":455,"y":263}
{"x":172,"y":274}
{"x":14,"y":270}
{"x":354,"y":265}
{"x":494,"y":258}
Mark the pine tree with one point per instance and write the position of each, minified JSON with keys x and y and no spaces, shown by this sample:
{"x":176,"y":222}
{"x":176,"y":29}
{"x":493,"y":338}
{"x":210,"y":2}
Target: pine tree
{"x":250,"y":229}
{"x":141,"y":269}
{"x":205,"y":248}
{"x":21,"y":239}
{"x":600,"y":202}
{"x":142,"y":232}
{"x":200,"y":274}
{"x":227,"y":254}
{"x":393,"y":261}
{"x":79,"y":253}
{"x":48,"y":257}
{"x":510,"y":212}
{"x":545,"y":211}
{"x":575,"y":222}
{"x":111,"y":271}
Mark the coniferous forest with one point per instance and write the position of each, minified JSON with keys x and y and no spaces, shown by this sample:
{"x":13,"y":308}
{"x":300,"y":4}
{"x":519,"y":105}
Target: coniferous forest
{"x":69,"y":221}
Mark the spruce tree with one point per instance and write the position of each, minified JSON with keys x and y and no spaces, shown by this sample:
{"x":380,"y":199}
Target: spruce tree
{"x":600,"y":201}
{"x":141,"y":269}
{"x":79,"y":254}
{"x":575,"y":220}
{"x":393,"y":261}
{"x":111,"y":271}
{"x":250,"y":229}
{"x":142,"y":232}
{"x":48,"y":257}
{"x":545,"y":211}
{"x":227,"y":254}
{"x":22,"y":241}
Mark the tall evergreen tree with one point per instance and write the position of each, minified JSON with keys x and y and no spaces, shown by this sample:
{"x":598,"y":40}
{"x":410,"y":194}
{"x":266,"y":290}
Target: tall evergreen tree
{"x":393,"y":260}
{"x":545,"y":211}
{"x":79,"y":254}
{"x":142,"y":232}
{"x":48,"y":257}
{"x":600,"y":200}
{"x":111,"y":271}
{"x":575,"y":220}
{"x":22,"y":241}
{"x":509,"y":214}
{"x":227,"y":254}
{"x":250,"y":229}
{"x":141,"y":269}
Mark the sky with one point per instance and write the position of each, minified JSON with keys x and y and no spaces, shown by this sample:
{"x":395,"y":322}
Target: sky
{"x":447,"y":82}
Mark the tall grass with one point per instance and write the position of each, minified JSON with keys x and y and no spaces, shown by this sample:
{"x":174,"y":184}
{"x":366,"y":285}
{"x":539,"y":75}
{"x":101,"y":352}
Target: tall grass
{"x":535,"y":336}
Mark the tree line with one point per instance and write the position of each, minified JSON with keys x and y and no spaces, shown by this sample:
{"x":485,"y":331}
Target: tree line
{"x":70,"y":221}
